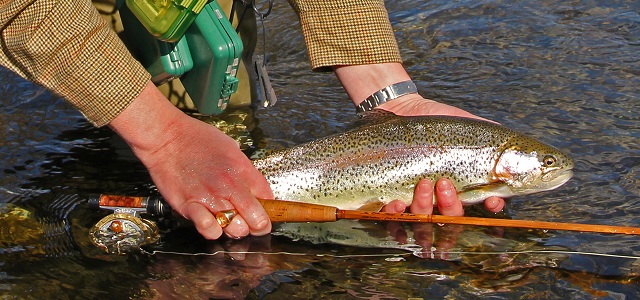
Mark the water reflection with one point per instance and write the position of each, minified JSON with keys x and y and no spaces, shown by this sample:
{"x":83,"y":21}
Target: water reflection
{"x":265,"y":267}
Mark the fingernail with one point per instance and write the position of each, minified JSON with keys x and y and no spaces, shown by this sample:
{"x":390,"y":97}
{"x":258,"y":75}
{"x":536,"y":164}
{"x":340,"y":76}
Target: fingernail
{"x":444,"y":186}
{"x":262,"y":224}
{"x":400,"y":207}
{"x":491,"y":204}
{"x":494,"y":205}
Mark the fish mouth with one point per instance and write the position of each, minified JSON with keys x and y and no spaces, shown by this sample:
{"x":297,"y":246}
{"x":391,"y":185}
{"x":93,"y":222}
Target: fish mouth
{"x":553,"y":179}
{"x":558,"y":176}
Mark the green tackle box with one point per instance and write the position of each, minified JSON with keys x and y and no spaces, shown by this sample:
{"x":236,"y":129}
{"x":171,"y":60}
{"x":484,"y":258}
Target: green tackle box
{"x":216,"y":49}
{"x":165,"y":61}
{"x":166,"y":20}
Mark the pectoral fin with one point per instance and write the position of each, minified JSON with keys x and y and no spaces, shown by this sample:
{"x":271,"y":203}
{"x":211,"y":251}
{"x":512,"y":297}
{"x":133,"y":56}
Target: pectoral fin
{"x":477,"y":193}
{"x":374,"y":205}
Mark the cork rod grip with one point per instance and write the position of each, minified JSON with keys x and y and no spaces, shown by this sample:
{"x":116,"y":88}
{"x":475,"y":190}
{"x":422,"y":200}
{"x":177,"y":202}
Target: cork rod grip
{"x":287,"y":211}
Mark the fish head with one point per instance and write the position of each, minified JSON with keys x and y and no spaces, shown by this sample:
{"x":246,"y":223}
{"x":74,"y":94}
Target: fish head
{"x":528,"y":166}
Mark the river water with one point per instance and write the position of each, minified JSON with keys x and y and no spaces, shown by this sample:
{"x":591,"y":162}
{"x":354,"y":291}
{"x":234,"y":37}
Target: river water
{"x":566,"y":72}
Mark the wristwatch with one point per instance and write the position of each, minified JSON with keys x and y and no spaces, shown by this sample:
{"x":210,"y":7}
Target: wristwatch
{"x":386,"y":94}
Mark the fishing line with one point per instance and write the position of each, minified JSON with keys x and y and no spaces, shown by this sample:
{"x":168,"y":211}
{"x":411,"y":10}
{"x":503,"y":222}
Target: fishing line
{"x":154,"y":252}
{"x":543,"y":252}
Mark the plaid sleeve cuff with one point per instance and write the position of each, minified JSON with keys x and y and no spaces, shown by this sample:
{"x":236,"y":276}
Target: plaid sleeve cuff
{"x":68,"y":48}
{"x":351,"y":32}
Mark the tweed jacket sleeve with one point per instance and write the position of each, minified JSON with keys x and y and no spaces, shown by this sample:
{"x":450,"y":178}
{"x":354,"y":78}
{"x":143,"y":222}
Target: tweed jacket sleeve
{"x":346,"y":32}
{"x":68,"y":48}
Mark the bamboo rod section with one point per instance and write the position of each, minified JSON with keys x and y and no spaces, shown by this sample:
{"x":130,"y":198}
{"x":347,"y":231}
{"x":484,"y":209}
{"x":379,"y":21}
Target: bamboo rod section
{"x":290,"y":211}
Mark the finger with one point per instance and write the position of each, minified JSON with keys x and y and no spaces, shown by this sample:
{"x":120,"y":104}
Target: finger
{"x":448,"y":203}
{"x":259,"y":185}
{"x":253,"y":215}
{"x":395,"y":206}
{"x":204,"y":221}
{"x":422,"y":198}
{"x":237,"y":229}
{"x":250,"y":209}
{"x":494,"y":204}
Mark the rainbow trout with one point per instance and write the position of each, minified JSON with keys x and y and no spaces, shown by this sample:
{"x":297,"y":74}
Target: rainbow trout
{"x":383,"y":160}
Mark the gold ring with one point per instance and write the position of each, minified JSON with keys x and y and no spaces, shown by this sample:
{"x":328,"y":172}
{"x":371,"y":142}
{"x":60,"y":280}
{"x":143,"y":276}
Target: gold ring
{"x":224,"y":217}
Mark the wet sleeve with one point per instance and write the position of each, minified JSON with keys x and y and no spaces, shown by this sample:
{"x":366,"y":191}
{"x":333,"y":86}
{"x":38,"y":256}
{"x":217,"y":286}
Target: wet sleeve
{"x":347,"y":32}
{"x":68,"y":48}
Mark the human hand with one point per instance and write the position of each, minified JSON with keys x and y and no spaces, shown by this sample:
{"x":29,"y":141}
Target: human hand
{"x":202,"y":171}
{"x":197,"y":168}
{"x":416,"y":105}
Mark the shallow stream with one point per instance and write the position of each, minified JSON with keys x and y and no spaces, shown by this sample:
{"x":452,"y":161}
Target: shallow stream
{"x":566,"y":72}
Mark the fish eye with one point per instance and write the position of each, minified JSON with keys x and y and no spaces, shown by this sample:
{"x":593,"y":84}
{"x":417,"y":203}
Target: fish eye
{"x":549,"y":161}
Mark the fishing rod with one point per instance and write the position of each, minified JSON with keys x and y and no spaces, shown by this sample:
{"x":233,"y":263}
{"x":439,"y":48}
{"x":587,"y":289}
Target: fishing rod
{"x":292,"y":211}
